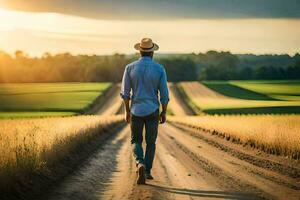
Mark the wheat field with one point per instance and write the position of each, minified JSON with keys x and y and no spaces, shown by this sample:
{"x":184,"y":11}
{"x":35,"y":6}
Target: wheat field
{"x":277,"y":134}
{"x":31,"y":145}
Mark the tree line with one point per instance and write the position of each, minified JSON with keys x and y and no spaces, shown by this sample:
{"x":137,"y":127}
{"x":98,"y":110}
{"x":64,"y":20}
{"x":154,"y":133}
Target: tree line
{"x":227,"y":66}
{"x":211,"y":65}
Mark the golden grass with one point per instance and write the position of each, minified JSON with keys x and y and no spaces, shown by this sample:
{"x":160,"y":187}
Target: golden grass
{"x":30,"y":145}
{"x":274,"y":134}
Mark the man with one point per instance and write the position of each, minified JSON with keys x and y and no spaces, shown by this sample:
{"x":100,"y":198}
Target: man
{"x":144,"y":78}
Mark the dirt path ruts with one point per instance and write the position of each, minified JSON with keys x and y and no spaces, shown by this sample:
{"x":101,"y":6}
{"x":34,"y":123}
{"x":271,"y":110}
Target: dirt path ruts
{"x":191,"y":179}
{"x":185,"y":167}
{"x":232,"y":172}
{"x":113,"y":103}
{"x":177,"y":104}
{"x":177,"y":176}
{"x":91,"y":178}
{"x":278,"y":164}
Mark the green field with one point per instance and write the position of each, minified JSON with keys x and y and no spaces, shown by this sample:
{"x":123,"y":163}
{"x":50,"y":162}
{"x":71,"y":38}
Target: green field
{"x":280,"y":90}
{"x":247,"y":97}
{"x":47,"y":99}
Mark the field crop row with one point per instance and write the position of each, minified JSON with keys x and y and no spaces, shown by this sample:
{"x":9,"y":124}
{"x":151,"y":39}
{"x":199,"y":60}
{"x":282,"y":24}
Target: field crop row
{"x":47,"y":99}
{"x":240,"y":97}
{"x":274,"y":134}
{"x":30,"y":146}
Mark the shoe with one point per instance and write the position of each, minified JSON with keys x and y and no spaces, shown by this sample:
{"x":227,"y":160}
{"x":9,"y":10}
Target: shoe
{"x":141,"y":175}
{"x":149,"y":176}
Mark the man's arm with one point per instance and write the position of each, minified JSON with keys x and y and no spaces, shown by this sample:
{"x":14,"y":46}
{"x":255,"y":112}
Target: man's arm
{"x":164,"y":97}
{"x":125,"y":94}
{"x":127,"y":110}
{"x":163,"y":114}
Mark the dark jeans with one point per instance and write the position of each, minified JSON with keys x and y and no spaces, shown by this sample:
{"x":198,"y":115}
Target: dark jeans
{"x":151,"y":125}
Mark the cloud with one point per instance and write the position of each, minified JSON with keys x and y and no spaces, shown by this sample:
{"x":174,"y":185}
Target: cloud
{"x":163,"y":9}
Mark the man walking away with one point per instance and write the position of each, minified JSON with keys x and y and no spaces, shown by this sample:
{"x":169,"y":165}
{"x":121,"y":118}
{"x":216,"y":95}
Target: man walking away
{"x":144,"y":78}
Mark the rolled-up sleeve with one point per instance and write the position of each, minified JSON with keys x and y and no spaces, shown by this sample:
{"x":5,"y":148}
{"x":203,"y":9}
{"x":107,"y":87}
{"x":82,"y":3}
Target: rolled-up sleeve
{"x":125,"y":87}
{"x":163,"y":88}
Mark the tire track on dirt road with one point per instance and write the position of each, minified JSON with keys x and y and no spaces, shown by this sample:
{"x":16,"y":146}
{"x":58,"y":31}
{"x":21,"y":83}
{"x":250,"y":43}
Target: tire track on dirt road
{"x":177,"y":103}
{"x":110,"y":103}
{"x":123,"y":181}
{"x":278,"y":164}
{"x":90,"y":179}
{"x":185,"y":167}
{"x":188,"y":179}
{"x":232,"y":171}
{"x":177,"y":176}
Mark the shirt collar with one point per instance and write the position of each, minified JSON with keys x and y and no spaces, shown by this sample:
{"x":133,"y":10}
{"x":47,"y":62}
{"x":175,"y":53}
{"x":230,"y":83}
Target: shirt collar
{"x":146,"y":58}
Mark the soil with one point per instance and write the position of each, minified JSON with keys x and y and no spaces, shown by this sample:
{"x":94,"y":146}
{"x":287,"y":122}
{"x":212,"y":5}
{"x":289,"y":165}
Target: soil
{"x":177,"y":104}
{"x":109,"y":103}
{"x":185,"y":167}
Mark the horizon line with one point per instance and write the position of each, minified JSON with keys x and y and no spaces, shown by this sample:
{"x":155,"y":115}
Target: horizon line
{"x":156,"y":53}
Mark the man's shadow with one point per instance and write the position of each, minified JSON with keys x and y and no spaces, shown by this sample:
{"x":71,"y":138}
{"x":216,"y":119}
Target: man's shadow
{"x":205,"y":193}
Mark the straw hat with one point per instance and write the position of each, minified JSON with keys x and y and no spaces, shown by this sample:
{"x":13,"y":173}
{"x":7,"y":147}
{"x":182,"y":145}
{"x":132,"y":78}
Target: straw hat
{"x":146,"y":45}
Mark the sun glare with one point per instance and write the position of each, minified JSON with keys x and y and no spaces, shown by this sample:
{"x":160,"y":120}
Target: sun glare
{"x":4,"y":16}
{"x":26,"y":20}
{"x":36,"y":33}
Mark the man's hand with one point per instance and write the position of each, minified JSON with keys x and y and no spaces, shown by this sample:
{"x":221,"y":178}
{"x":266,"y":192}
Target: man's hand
{"x":128,"y":117}
{"x":127,"y":111}
{"x":162,"y":117}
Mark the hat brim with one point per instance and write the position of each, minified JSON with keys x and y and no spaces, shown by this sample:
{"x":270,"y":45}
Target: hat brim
{"x":138,"y":47}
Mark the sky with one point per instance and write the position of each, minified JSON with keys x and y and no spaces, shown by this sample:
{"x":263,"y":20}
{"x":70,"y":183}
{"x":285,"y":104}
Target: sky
{"x":178,"y":26}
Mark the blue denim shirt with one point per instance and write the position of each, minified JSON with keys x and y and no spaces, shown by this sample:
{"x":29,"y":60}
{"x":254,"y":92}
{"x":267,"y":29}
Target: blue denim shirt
{"x":144,"y":78}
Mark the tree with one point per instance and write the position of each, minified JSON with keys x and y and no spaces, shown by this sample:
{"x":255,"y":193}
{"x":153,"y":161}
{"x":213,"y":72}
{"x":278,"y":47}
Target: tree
{"x":19,"y":54}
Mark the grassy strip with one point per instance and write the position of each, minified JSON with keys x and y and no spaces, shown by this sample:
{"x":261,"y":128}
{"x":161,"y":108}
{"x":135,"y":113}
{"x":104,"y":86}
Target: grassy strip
{"x":279,"y":135}
{"x":188,"y":101}
{"x":48,"y":98}
{"x":213,"y":102}
{"x":235,"y":91}
{"x":15,"y":115}
{"x":35,"y":153}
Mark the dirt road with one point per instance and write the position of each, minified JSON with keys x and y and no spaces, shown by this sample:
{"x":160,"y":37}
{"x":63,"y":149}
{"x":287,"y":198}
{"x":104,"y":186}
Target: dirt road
{"x":108,"y":104}
{"x":177,"y":105}
{"x":189,"y":164}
